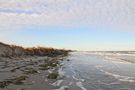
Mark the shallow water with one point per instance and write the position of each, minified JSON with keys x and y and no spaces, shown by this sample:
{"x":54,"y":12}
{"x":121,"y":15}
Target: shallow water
{"x":104,"y":71}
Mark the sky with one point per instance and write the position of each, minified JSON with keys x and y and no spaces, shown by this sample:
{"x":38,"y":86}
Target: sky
{"x":71,"y":24}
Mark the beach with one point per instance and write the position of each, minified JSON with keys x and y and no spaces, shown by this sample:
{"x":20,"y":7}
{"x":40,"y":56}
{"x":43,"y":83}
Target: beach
{"x":77,"y":71}
{"x":29,"y":73}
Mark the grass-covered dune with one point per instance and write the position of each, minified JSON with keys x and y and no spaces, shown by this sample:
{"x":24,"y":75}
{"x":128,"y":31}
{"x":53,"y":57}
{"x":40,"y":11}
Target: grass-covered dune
{"x":17,"y":51}
{"x":22,"y":66}
{"x":42,"y":51}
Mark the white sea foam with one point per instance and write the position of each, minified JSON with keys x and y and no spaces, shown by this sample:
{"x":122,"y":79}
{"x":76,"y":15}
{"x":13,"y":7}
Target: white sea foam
{"x":70,"y":83}
{"x":117,"y":60}
{"x":62,"y":88}
{"x":79,"y":84}
{"x":74,"y":77}
{"x":74,"y":74}
{"x":118,"y":77}
{"x":57,"y":83}
{"x":82,"y":80}
{"x":61,"y":72}
{"x":50,"y":71}
{"x":112,"y":83}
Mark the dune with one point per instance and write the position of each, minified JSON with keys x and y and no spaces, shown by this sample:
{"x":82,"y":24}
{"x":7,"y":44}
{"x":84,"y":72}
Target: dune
{"x":28,"y":68}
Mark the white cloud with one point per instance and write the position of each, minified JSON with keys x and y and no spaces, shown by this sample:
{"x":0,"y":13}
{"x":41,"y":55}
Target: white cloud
{"x":20,"y":13}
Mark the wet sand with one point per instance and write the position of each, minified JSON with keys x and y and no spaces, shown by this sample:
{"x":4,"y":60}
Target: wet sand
{"x":37,"y":78}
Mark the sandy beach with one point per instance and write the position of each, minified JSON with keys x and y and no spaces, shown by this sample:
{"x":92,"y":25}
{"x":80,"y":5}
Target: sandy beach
{"x":31,"y":67}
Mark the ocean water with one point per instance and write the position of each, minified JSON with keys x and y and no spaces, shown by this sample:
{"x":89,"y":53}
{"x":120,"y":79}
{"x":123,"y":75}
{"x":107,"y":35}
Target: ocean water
{"x":98,"y":71}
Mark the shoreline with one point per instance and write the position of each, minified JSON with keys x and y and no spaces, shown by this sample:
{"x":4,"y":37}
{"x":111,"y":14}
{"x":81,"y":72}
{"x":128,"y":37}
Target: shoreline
{"x":77,"y":71}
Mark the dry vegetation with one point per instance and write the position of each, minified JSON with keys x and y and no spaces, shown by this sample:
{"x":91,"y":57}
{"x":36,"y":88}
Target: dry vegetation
{"x":17,"y":51}
{"x":42,"y":51}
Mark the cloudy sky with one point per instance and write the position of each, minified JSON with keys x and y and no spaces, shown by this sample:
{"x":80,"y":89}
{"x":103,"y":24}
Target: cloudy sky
{"x":73,"y":24}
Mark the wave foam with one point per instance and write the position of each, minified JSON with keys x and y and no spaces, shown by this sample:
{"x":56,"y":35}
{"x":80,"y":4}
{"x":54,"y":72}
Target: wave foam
{"x":118,"y":77}
{"x":57,"y":83}
{"x":62,"y":88}
{"x":79,"y":84}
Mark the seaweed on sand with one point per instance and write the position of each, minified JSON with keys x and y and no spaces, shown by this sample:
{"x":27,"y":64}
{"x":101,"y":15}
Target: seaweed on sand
{"x":4,"y":84}
{"x":14,"y":69}
{"x":48,"y":64}
{"x":17,"y":81}
{"x":53,"y":76}
{"x":30,"y":71}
